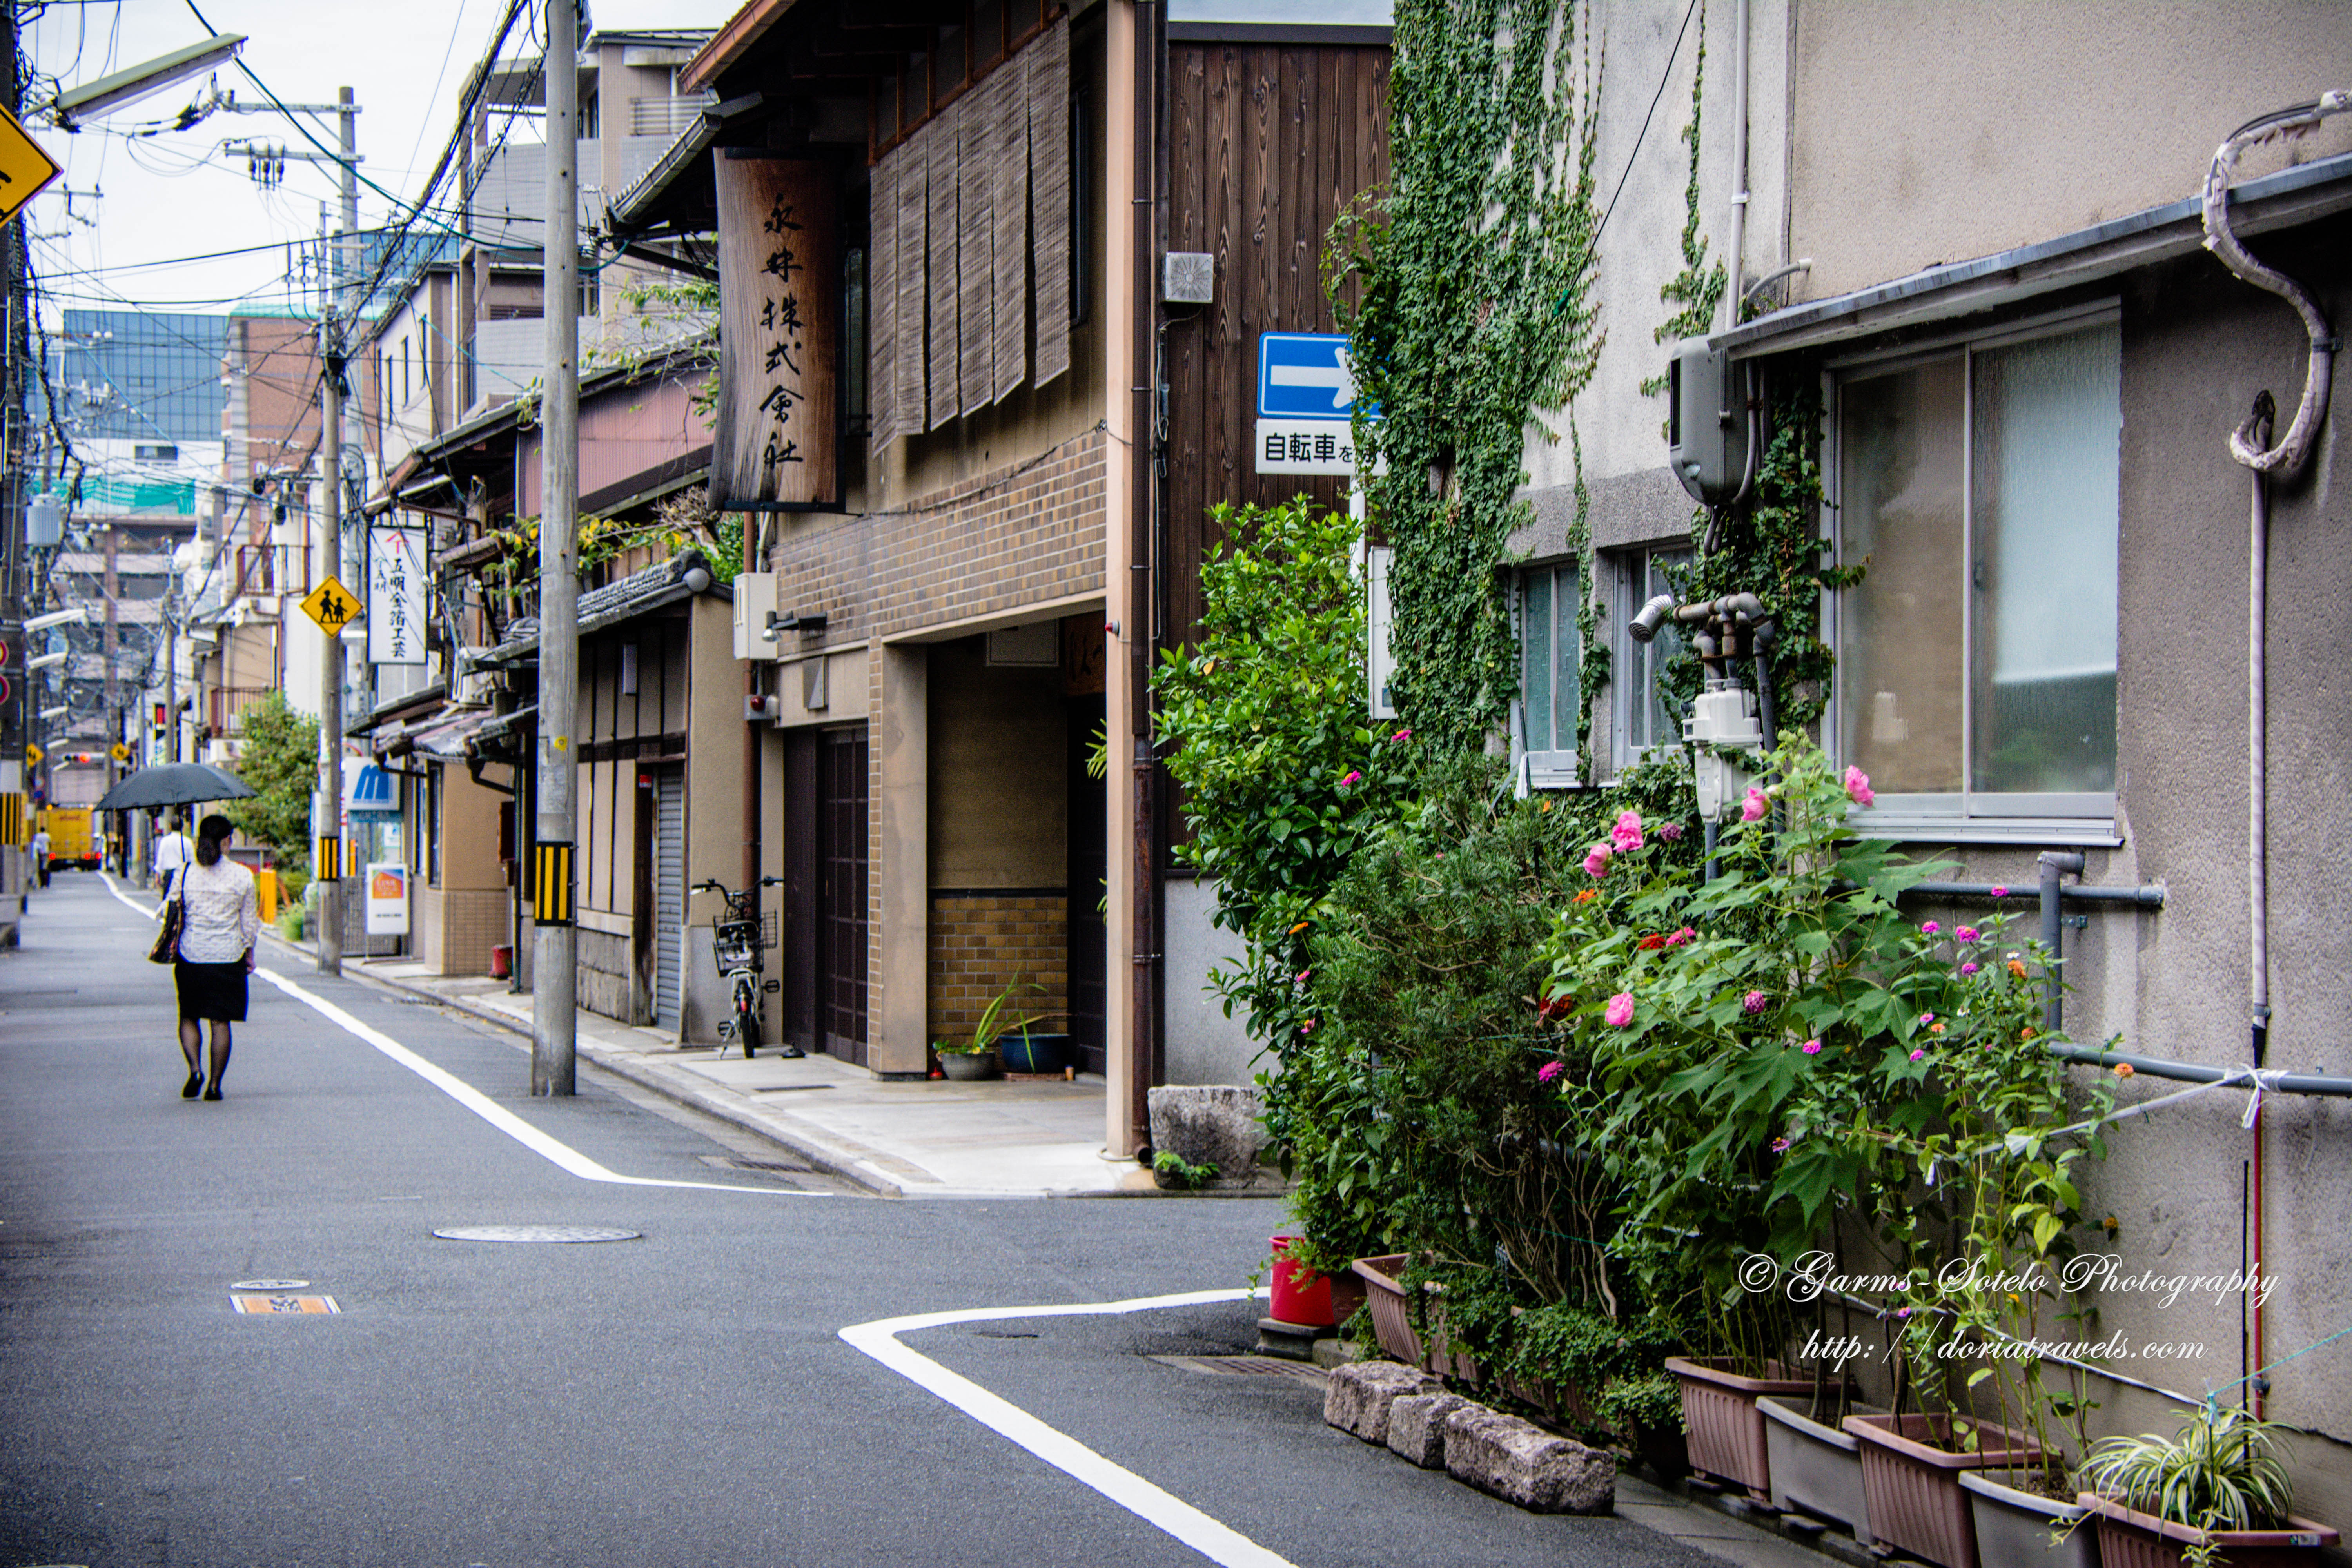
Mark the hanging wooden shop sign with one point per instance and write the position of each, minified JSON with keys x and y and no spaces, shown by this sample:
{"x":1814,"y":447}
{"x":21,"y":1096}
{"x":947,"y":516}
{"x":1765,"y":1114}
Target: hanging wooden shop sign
{"x":777,"y":445}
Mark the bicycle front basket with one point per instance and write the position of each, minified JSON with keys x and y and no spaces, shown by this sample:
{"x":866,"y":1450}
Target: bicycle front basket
{"x":735,"y":944}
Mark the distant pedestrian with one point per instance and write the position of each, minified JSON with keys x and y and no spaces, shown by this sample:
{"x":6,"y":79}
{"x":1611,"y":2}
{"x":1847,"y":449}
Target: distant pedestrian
{"x":220,"y":923}
{"x":172,"y":853}
{"x":41,"y":855}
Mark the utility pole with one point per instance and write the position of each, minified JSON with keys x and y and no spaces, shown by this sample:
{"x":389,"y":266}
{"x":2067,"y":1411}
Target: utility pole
{"x":555,"y":1009}
{"x":14,"y":583}
{"x":334,"y":665}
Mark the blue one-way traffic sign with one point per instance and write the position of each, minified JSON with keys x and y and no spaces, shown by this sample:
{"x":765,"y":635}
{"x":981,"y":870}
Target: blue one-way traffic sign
{"x":1305,"y":375}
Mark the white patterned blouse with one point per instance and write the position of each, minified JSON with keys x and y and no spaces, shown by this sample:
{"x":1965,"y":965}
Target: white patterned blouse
{"x":223,"y":917}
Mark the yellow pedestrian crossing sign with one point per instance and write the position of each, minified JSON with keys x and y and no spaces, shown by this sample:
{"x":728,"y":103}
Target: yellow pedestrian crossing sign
{"x":25,"y":168}
{"x":119,"y":751}
{"x":332,"y":605}
{"x":33,"y":755}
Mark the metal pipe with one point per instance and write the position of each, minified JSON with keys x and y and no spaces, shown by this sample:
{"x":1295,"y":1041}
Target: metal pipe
{"x":2321,"y":1084}
{"x":1733,"y":295}
{"x":2259,"y":425}
{"x":2054,"y":864}
{"x":2150,"y":897}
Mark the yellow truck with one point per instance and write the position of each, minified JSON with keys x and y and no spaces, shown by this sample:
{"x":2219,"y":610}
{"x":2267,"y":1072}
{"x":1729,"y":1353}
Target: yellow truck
{"x":71,"y":840}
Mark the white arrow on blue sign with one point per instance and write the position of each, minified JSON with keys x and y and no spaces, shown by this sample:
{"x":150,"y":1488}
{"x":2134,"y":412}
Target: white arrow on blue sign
{"x":1305,"y":375}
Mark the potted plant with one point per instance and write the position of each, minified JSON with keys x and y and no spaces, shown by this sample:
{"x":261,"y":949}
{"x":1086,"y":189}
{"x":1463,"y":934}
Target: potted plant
{"x":977,"y":1057}
{"x":966,"y":1062}
{"x":2216,"y":1493}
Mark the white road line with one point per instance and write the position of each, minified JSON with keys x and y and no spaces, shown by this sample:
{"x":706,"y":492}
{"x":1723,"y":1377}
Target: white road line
{"x":1218,"y":1542}
{"x":554,"y":1150}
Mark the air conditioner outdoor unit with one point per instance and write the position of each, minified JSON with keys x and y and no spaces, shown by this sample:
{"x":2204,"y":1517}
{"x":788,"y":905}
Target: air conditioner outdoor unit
{"x":755,"y":608}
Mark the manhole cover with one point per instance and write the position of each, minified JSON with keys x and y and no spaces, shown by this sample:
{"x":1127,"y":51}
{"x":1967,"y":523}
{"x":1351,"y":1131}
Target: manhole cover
{"x":269,"y":1284}
{"x":1246,"y":1366}
{"x":535,"y":1233}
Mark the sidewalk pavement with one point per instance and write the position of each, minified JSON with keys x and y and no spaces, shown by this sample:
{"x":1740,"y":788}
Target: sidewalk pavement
{"x":936,"y":1138}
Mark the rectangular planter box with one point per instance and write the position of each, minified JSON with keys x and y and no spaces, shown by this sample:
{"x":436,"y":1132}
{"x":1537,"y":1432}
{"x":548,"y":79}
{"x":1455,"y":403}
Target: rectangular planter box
{"x":1816,"y":1469}
{"x":1393,"y":1324}
{"x":1726,"y":1434}
{"x":1913,"y":1489}
{"x":2129,"y":1539}
{"x":2015,"y":1526}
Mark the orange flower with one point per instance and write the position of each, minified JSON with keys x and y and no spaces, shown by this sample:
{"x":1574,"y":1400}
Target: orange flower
{"x":1301,"y":926}
{"x":1585,"y":897}
{"x":2125,"y":1069}
{"x":1935,"y":1028}
{"x":2017,"y":969}
{"x":2026,"y":1033}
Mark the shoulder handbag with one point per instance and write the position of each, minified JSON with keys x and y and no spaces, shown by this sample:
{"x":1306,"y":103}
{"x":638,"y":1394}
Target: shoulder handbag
{"x":167,"y":941}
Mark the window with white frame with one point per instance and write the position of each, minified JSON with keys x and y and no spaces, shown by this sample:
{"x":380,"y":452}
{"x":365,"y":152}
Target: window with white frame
{"x":1976,"y":659}
{"x":1642,"y":714}
{"x":1551,"y":688}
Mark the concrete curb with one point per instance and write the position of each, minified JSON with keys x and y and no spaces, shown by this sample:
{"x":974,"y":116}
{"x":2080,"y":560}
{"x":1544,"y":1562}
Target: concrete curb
{"x":850,"y":1162}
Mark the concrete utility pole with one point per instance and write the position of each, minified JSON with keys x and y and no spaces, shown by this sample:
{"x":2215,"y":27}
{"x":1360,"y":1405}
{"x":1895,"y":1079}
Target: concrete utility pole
{"x":554,"y":1008}
{"x":334,"y":665}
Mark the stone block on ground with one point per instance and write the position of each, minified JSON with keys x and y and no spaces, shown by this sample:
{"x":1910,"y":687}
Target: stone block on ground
{"x":1210,"y":1124}
{"x":1357,"y":1397}
{"x":1417,"y":1426}
{"x":1521,"y":1463}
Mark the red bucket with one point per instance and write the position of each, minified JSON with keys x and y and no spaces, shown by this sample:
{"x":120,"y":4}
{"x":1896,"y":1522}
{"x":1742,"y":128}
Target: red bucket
{"x":501,"y":962}
{"x":1299,"y":1297}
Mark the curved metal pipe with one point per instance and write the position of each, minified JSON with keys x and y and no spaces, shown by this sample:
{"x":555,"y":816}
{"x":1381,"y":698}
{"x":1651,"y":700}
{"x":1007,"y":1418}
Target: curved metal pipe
{"x":2245,"y":446}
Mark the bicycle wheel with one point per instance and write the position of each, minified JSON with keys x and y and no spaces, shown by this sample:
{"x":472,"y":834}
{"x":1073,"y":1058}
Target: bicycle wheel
{"x":747,"y":1015}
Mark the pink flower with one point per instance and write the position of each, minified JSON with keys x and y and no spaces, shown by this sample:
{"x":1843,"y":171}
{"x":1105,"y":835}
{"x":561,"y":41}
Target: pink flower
{"x":1752,"y":1004}
{"x":1547,"y":1072}
{"x":1968,"y":969}
{"x":1918,"y":1055}
{"x":1672,"y":832}
{"x":1902,"y":1312}
{"x":1596,"y":859}
{"x":1302,"y":975}
{"x":1857,"y":786}
{"x":1754,"y":807}
{"x":1780,"y":1145}
{"x":1967,"y":934}
{"x":1927,"y":1017}
{"x":2000,"y":892}
{"x":1401,"y":735}
{"x":1621,"y":1010}
{"x":1627,"y":834}
{"x":1812,"y":1047}
{"x":1931,"y":927}
{"x":1680,"y":937}
{"x":1308,"y":1027}
{"x":1352,"y":776}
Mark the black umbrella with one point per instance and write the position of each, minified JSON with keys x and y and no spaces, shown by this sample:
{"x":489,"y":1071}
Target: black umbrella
{"x":174,"y":784}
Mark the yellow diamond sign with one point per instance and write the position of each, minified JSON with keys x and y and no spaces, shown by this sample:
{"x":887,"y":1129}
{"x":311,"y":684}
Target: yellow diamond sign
{"x":33,"y":755}
{"x":332,"y":605}
{"x":119,"y":751}
{"x":25,"y":169}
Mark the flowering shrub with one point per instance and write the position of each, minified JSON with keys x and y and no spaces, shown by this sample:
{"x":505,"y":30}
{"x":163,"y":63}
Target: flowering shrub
{"x":1803,"y":1054}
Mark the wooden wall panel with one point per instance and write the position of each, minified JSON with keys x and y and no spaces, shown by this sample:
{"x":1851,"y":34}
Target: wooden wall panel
{"x":1267,"y":143}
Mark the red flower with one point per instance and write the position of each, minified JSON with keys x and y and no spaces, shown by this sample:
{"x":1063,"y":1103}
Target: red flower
{"x":1651,"y":943}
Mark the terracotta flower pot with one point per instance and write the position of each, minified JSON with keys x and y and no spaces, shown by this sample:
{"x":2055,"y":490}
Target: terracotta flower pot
{"x":1383,"y":1280}
{"x":2130,"y":1539}
{"x":1912,"y":1487}
{"x":1727,"y":1433}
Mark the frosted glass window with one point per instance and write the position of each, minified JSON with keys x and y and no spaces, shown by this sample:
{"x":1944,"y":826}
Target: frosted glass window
{"x":1980,"y":492}
{"x":1551,"y":648}
{"x":2047,"y":428}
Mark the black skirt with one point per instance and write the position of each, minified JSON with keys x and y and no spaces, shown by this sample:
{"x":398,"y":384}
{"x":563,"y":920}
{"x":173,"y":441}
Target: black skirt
{"x":211,"y":990}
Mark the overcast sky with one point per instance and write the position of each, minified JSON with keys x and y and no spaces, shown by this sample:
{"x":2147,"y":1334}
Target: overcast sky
{"x":178,"y":194}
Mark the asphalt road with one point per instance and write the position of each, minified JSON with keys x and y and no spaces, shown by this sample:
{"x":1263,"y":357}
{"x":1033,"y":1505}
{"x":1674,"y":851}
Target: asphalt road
{"x":684,"y":1397}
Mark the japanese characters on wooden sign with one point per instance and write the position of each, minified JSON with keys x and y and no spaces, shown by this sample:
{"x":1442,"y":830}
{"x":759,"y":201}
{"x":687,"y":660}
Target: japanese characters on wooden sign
{"x":777,"y":445}
{"x":396,"y":599}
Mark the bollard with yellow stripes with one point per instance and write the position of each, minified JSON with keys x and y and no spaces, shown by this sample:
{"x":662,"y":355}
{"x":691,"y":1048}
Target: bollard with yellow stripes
{"x":328,"y":864}
{"x":12,"y":821}
{"x":551,"y":883}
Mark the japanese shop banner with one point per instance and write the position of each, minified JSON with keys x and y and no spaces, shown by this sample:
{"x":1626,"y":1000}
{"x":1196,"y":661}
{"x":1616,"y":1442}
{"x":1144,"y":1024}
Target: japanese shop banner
{"x":778,"y":441}
{"x":396,"y":595}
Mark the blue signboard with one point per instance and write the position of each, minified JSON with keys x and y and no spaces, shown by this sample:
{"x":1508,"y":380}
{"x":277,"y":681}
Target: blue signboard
{"x":1305,"y":375}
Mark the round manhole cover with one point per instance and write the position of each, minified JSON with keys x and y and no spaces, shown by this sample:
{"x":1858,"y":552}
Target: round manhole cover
{"x":535,"y":1233}
{"x":269,"y":1284}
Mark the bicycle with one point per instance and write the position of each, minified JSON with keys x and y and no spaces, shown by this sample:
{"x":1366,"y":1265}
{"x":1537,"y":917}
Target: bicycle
{"x":737,"y":944}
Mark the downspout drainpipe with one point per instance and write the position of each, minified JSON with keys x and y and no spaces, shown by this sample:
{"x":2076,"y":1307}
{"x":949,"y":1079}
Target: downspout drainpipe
{"x":1144,"y":1033}
{"x":2259,"y":425}
{"x":2054,"y":863}
{"x":1733,"y":295}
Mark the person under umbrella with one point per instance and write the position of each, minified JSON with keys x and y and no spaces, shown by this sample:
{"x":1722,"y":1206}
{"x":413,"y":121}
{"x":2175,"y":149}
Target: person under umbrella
{"x":220,"y":922}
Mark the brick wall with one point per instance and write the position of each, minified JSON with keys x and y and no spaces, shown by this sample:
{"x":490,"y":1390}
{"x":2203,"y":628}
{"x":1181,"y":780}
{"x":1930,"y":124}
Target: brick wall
{"x":455,"y":929}
{"x":981,"y":942}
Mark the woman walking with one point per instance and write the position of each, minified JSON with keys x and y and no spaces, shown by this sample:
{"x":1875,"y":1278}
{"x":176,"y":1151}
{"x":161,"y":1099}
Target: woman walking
{"x":219,"y":924}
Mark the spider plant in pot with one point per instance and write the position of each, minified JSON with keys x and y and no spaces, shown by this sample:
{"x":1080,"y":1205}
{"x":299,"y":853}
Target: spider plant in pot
{"x":976,"y":1057}
{"x":2216,"y":1492}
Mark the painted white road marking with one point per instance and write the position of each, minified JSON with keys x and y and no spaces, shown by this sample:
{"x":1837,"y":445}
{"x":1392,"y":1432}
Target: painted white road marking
{"x":554,"y":1150}
{"x":1218,"y":1542}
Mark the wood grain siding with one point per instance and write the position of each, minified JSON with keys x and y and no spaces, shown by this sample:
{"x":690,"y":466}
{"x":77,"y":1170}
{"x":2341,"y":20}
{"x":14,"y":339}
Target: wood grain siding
{"x":1268,"y":145}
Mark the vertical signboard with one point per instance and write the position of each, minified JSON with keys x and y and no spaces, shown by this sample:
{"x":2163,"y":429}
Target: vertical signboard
{"x":777,"y":445}
{"x":387,"y":898}
{"x":396,"y":595}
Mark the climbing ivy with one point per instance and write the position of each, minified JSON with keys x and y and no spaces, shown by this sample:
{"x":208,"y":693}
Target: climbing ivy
{"x":1467,"y":291}
{"x":1698,"y":288}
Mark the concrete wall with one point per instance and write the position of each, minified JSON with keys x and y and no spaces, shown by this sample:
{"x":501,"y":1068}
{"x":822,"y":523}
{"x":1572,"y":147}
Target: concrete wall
{"x":715,"y":763}
{"x":1962,"y":130}
{"x":1203,"y":1046}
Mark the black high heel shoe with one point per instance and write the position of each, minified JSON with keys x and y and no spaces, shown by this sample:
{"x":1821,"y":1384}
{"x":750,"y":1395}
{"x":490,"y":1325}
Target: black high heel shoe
{"x":196,"y":1084}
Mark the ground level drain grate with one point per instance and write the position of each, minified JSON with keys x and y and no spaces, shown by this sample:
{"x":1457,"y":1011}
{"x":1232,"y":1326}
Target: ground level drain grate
{"x":561,"y":1233}
{"x":1258,"y":1366}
